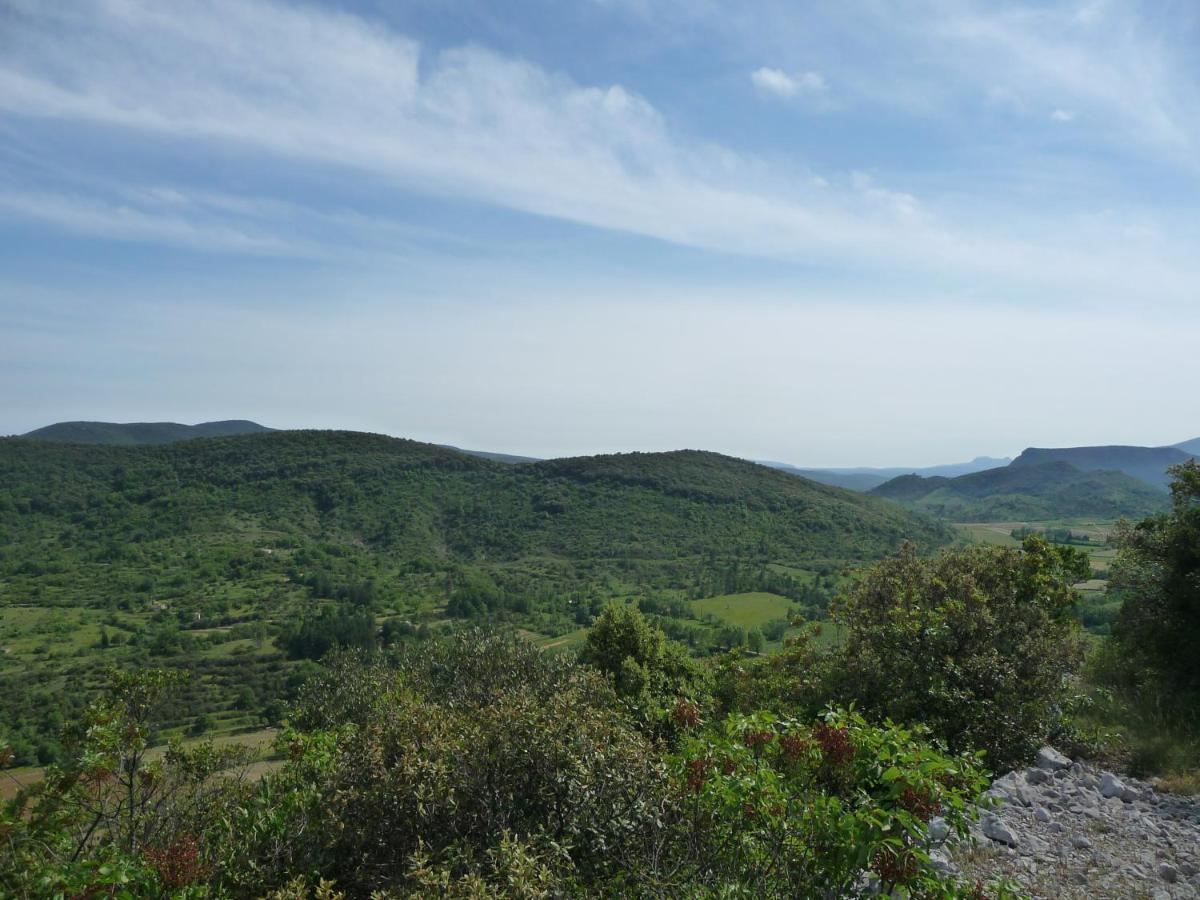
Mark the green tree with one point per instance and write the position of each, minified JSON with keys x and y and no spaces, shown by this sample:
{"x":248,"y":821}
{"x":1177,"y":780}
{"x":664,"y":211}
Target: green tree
{"x":1157,"y":577}
{"x":975,"y":643}
{"x":647,"y":668}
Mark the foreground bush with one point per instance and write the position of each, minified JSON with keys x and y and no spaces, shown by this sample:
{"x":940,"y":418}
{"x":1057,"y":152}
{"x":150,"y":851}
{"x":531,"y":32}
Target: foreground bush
{"x":1157,"y":577}
{"x":449,"y":752}
{"x":1145,"y":679}
{"x":788,"y":808}
{"x":119,"y":820}
{"x":477,"y":766}
{"x":975,"y":643}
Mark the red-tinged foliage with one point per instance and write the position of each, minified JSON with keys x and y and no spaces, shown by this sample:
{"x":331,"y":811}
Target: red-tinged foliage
{"x":835,"y":742}
{"x":178,"y":864}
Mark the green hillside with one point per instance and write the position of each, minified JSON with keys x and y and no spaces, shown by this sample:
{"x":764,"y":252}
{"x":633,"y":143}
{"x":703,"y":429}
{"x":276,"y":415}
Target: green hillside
{"x":1045,"y":492}
{"x":141,"y":432}
{"x":237,"y":556}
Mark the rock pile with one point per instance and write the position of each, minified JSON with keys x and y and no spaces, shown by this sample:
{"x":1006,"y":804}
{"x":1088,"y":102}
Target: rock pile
{"x":1063,"y":829}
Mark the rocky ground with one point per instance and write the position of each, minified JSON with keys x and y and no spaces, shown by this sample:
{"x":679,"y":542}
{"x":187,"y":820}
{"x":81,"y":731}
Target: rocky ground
{"x":1064,"y":829}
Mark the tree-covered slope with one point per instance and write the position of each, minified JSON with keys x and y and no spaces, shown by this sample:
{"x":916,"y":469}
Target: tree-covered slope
{"x":237,"y":557}
{"x":141,"y":432}
{"x":1051,"y":490}
{"x":404,"y":499}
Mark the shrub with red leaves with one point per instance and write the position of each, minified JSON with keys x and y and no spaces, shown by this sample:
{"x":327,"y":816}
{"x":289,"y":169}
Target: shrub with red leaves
{"x":757,"y":738}
{"x":919,"y":803}
{"x":178,"y":864}
{"x":697,"y":772}
{"x":686,"y":714}
{"x":794,"y":746}
{"x":835,"y":742}
{"x":895,"y":866}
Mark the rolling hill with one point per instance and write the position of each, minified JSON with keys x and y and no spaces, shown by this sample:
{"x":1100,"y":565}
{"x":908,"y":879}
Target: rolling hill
{"x":1028,"y":492}
{"x":141,"y":432}
{"x":1148,"y":464}
{"x":222,"y":555}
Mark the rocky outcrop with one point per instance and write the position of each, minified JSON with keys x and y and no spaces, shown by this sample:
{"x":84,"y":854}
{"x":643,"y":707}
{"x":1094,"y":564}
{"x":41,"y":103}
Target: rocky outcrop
{"x":1063,"y":829}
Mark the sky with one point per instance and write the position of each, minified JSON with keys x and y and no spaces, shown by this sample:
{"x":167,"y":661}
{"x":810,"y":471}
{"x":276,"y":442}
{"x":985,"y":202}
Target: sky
{"x":872,"y":232}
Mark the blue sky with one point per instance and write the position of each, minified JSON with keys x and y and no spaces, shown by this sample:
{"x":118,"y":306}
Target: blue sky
{"x":857,"y":233}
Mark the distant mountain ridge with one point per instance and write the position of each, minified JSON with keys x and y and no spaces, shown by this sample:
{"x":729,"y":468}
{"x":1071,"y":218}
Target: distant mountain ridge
{"x":1028,"y":492}
{"x":864,"y":478}
{"x":1148,"y":464}
{"x":141,"y":432}
{"x":509,"y":458}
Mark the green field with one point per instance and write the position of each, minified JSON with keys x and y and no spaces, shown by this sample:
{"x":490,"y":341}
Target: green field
{"x":752,"y":609}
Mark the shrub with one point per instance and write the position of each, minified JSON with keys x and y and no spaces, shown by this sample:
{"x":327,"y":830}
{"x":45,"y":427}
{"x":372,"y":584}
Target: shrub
{"x":976,"y":643}
{"x":1157,"y":577}
{"x":647,"y":670}
{"x":115,"y":821}
{"x":439,"y":754}
{"x":786,"y":808}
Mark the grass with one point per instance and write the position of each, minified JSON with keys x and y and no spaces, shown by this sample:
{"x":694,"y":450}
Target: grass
{"x":752,"y":609}
{"x":1182,"y":783}
{"x":569,"y":641}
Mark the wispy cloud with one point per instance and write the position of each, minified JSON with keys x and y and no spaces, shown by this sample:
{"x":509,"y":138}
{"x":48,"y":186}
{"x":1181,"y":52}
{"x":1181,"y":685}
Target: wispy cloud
{"x":326,"y":87}
{"x":128,"y":221}
{"x":781,"y":84}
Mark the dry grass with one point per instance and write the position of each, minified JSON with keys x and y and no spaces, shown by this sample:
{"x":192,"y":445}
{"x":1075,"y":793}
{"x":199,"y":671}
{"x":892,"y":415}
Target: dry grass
{"x":1181,"y":783}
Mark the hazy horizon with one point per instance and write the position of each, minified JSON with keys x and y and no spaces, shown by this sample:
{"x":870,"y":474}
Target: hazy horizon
{"x":848,"y":236}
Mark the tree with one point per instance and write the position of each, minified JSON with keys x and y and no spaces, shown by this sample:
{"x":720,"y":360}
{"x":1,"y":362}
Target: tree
{"x":647,"y":669}
{"x":975,"y":643}
{"x":1157,"y":577}
{"x":755,"y":640}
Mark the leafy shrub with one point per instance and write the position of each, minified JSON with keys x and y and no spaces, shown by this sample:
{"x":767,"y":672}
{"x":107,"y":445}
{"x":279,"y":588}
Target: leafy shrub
{"x":647,"y":670}
{"x":438,"y":754}
{"x":1157,"y":577}
{"x":784,"y":808}
{"x":976,"y":643}
{"x":116,"y":821}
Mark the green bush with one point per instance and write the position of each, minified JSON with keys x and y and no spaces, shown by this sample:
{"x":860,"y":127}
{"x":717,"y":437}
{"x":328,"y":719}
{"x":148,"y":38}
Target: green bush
{"x":647,"y":670}
{"x":785,"y":808}
{"x":1157,"y":577}
{"x":975,"y":643}
{"x":438,"y":754}
{"x":119,"y":821}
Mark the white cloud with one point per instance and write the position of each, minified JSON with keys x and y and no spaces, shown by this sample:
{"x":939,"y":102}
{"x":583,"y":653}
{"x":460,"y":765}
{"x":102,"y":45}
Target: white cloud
{"x":780,"y":83}
{"x":303,"y":84}
{"x":1062,"y":115}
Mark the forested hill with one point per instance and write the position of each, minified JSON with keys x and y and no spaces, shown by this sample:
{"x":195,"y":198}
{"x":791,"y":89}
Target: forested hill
{"x":405,"y":500}
{"x":1050,"y":490}
{"x":240,"y":558}
{"x":141,"y":432}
